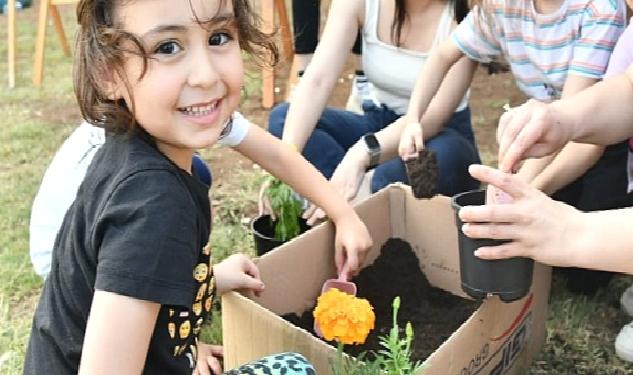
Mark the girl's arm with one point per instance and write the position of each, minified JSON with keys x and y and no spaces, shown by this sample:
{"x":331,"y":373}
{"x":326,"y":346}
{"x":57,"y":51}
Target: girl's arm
{"x":552,"y":173}
{"x":428,"y":82}
{"x":548,"y":231}
{"x":536,"y":129}
{"x":314,"y":88}
{"x":117,"y":335}
{"x":285,"y":163}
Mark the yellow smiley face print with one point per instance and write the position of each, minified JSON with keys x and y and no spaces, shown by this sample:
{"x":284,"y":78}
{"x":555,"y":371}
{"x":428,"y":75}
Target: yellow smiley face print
{"x":201,"y":291}
{"x":200,"y":272}
{"x":208,"y":303}
{"x":185,"y":328}
{"x":198,"y":326}
{"x":197,"y":308}
{"x":171,"y":327}
{"x":206,"y":250}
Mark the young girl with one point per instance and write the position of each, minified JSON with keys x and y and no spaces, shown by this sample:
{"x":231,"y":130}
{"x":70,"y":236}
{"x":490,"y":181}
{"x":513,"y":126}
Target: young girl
{"x":131,"y":279}
{"x":555,"y":48}
{"x":397,"y":35}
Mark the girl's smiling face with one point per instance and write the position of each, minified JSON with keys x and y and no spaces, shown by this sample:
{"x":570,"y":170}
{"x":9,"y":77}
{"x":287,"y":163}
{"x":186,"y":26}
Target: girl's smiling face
{"x":194,"y":71}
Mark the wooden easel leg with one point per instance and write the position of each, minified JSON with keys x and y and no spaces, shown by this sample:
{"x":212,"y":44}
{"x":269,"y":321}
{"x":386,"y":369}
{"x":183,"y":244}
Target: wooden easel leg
{"x":11,"y":42}
{"x":284,"y":25}
{"x":38,"y":64}
{"x":59,"y":28}
{"x":268,"y":73}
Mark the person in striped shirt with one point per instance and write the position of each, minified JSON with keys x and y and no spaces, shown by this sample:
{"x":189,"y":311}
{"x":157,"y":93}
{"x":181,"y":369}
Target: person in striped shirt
{"x":555,"y":48}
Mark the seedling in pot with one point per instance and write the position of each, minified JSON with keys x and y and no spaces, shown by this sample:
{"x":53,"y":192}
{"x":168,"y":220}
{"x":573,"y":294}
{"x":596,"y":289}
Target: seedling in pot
{"x":423,"y":174}
{"x":286,"y":208}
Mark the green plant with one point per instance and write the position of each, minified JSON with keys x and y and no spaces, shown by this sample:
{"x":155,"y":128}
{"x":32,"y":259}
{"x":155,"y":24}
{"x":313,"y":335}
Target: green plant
{"x":396,"y":357}
{"x":362,"y":365}
{"x":285,"y":206}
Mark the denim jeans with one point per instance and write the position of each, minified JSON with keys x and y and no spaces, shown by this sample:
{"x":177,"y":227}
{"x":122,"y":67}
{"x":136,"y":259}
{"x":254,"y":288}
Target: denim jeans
{"x":337,"y":130}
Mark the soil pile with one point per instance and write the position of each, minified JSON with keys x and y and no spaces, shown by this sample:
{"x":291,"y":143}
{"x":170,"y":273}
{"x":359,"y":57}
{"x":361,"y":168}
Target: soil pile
{"x":434,"y":313}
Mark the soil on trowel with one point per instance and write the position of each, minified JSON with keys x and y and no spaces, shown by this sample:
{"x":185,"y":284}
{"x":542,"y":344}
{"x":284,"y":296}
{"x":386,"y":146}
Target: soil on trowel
{"x":422,"y":172}
{"x":434,"y":313}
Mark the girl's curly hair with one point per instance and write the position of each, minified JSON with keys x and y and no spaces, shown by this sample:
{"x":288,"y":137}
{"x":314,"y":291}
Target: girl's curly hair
{"x":100,"y":54}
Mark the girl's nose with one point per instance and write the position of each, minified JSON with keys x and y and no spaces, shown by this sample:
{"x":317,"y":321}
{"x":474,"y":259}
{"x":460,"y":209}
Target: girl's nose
{"x":202,"y":70}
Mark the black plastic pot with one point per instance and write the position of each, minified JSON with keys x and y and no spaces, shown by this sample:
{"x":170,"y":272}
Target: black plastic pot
{"x":264,"y":233}
{"x":510,"y":279}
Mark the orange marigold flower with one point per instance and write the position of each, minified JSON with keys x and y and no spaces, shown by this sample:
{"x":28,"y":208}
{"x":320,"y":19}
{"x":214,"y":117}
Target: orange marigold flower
{"x":343,"y":317}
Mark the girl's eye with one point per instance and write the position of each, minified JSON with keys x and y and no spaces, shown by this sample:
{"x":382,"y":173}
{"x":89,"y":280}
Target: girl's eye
{"x":168,"y":48}
{"x":220,"y":38}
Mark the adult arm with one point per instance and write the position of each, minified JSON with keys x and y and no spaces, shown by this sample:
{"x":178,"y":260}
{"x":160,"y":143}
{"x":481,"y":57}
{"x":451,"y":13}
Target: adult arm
{"x":117,"y":335}
{"x":314,"y":88}
{"x":548,"y":231}
{"x":352,"y":237}
{"x":537,"y":129}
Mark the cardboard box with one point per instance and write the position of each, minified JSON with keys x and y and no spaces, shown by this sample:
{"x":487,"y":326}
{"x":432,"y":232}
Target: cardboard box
{"x":498,"y":338}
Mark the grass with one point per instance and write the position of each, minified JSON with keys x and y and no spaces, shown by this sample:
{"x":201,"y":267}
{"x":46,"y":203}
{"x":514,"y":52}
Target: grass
{"x":35,"y":121}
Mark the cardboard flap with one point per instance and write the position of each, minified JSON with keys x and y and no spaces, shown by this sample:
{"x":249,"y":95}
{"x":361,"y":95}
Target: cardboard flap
{"x":296,"y":270}
{"x":305,"y":262}
{"x":432,"y":232}
{"x":256,"y":333}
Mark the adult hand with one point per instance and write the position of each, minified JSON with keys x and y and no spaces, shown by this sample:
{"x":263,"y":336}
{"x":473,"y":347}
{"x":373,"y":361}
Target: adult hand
{"x":538,"y":227}
{"x":237,"y":272}
{"x":351,"y":244}
{"x":346,"y":180}
{"x":208,"y":359}
{"x":411,"y":141}
{"x":530,"y":130}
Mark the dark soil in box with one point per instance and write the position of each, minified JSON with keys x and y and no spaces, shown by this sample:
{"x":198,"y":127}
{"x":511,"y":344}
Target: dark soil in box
{"x":434,"y":313}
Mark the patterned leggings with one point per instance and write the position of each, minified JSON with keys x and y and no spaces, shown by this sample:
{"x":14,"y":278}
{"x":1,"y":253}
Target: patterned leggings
{"x":278,"y":364}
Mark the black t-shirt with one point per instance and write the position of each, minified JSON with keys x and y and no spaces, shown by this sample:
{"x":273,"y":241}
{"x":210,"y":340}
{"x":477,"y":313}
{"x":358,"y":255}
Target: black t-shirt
{"x":139,"y":227}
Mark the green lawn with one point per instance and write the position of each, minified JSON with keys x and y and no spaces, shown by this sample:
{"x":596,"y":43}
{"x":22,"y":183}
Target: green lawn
{"x":34,"y":122}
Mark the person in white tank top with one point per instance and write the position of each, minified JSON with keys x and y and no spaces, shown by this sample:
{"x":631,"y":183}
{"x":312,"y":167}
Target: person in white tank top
{"x":397,"y":37}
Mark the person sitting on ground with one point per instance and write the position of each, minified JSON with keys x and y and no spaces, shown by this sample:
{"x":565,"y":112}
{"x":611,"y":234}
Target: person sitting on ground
{"x":544,"y":229}
{"x":132,"y":278}
{"x":397,"y":35}
{"x":306,"y":20}
{"x":555,"y":49}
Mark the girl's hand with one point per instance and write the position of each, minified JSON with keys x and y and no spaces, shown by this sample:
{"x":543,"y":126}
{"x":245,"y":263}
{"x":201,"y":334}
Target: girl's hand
{"x":208,"y":362}
{"x":351,"y":244}
{"x":411,"y":141}
{"x":530,"y":130}
{"x":538,"y":227}
{"x":237,"y":272}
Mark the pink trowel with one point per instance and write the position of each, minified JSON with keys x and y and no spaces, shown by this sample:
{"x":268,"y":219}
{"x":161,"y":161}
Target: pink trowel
{"x":341,"y":284}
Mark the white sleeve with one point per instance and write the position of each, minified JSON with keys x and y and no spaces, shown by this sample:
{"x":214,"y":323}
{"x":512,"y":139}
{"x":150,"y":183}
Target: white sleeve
{"x":237,"y":132}
{"x":58,"y":190}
